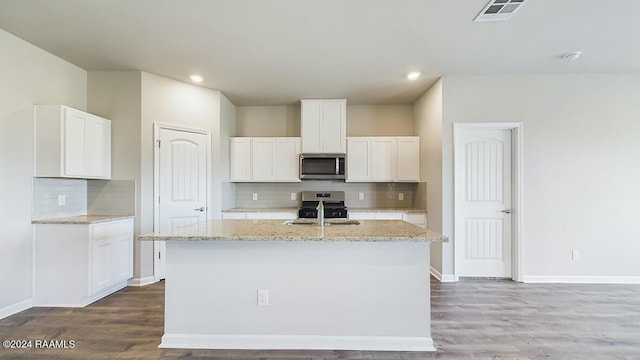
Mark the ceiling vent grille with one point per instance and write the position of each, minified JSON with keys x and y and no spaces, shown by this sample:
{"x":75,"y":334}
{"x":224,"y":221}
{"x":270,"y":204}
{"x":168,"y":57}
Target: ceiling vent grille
{"x":499,"y":10}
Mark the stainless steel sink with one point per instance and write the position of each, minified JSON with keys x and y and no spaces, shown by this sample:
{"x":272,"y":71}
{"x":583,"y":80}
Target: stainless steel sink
{"x":326,"y":222}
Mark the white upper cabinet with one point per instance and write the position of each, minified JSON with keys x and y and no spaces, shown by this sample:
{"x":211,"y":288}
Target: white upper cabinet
{"x":324,"y":126}
{"x":383,"y":159}
{"x":264,"y":159}
{"x":408,"y":158}
{"x":72,"y":143}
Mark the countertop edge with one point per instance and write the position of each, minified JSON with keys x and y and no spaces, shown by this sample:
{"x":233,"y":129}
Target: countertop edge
{"x":79,"y":219}
{"x":286,"y":239}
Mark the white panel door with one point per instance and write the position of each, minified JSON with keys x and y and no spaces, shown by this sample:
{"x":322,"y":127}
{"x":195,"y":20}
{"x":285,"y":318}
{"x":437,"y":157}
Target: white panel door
{"x":263,"y":158}
{"x":74,"y":143}
{"x":384,"y":159}
{"x":182,"y":184}
{"x":408,"y":158}
{"x":358,"y":159}
{"x":483,"y":229}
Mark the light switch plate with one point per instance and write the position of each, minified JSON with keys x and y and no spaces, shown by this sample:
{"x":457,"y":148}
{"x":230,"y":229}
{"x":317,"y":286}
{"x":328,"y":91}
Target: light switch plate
{"x":361,"y":196}
{"x":255,"y":196}
{"x":62,"y":200}
{"x":400,"y":196}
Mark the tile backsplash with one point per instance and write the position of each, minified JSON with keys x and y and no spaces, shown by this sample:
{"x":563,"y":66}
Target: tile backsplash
{"x":376,"y":195}
{"x":99,"y":197}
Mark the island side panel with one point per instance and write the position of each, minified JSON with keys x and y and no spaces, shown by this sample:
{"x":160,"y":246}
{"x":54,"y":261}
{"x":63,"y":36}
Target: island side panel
{"x":322,"y":295}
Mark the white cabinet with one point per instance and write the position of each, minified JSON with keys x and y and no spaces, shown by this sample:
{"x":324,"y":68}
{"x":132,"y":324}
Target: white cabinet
{"x":264,"y":159}
{"x":408,"y":158}
{"x":71,"y":143}
{"x":383,"y":159}
{"x":274,"y":215}
{"x":416,"y":218}
{"x":77,"y":264}
{"x":324,"y":126}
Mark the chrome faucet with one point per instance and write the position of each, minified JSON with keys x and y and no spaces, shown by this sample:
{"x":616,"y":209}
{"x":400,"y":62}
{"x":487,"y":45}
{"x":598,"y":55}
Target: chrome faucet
{"x":320,"y":209}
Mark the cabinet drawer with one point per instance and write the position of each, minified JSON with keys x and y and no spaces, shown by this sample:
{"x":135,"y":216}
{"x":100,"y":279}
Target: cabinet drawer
{"x":110,"y":229}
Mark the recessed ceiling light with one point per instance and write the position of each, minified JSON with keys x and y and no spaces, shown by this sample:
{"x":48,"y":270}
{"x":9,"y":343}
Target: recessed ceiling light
{"x":413,"y":75}
{"x":573,"y":56}
{"x":196,"y":78}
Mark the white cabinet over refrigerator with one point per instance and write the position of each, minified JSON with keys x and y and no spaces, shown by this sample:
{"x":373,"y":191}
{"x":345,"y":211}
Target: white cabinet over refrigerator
{"x":324,"y":126}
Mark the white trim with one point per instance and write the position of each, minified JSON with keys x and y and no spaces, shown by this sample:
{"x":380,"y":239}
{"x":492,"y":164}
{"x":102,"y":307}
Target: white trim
{"x":289,"y":342}
{"x":582,"y":279}
{"x":156,"y":180}
{"x":517,"y":189}
{"x":141,"y":281}
{"x":15,"y":308}
{"x":442,"y":278}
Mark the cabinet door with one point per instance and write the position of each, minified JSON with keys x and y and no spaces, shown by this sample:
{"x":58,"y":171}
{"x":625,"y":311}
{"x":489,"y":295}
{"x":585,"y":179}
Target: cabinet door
{"x":122,"y":259}
{"x":358,"y":159}
{"x":98,"y":147}
{"x":384,"y":157}
{"x":240,"y":164}
{"x":334,"y":126}
{"x":311,"y":126}
{"x":101,"y":273}
{"x":234,"y":215}
{"x":288,"y":159}
{"x":263,"y":158}
{"x":408,"y":158}
{"x":74,"y":150}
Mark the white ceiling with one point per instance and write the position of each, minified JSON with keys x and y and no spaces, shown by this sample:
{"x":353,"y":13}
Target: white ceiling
{"x":274,"y":52}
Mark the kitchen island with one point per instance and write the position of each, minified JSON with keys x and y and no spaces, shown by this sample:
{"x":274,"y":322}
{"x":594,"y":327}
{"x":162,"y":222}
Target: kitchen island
{"x":261,"y":284}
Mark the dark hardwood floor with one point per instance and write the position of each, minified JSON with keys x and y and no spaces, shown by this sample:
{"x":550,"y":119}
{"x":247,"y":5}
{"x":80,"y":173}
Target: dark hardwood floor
{"x":472,"y":319}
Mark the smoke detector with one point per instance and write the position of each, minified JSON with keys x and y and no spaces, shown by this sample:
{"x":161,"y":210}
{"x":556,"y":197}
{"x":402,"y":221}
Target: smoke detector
{"x":499,"y":10}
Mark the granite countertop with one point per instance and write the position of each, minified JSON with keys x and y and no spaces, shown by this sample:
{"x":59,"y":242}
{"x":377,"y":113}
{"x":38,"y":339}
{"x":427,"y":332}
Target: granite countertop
{"x":275,"y":230}
{"x":83,"y":219}
{"x":295,"y":209}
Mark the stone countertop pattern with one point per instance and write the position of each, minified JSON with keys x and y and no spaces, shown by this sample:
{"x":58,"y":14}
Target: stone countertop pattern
{"x":275,"y":230}
{"x":83,"y":219}
{"x":295,"y":209}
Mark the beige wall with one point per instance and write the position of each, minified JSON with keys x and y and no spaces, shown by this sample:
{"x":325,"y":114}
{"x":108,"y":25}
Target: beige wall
{"x":428,"y":125}
{"x":362,"y":120}
{"x":29,"y":76}
{"x":581,"y":170}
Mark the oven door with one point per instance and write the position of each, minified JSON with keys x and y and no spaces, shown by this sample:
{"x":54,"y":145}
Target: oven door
{"x":322,"y":166}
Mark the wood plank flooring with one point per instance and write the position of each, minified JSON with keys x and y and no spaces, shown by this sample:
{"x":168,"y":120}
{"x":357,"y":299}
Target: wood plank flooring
{"x":472,"y":319}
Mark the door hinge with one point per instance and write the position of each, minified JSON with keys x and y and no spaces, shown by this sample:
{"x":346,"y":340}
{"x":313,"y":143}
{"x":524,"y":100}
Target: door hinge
{"x":159,"y":255}
{"x":158,"y":142}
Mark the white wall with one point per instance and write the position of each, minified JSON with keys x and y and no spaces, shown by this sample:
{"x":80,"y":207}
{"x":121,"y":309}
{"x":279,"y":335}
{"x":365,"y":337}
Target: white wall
{"x":428,"y":125}
{"x":29,"y":76}
{"x":581,"y":172}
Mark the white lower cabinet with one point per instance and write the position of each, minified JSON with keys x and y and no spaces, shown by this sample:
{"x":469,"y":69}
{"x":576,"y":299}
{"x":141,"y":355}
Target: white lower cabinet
{"x":416,"y":218}
{"x":274,"y":215}
{"x":77,"y":264}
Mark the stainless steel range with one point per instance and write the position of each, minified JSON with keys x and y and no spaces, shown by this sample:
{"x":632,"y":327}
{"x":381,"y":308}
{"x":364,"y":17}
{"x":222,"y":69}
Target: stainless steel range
{"x":333,"y":202}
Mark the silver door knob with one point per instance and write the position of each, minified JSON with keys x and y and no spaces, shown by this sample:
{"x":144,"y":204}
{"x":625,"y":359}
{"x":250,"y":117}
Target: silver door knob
{"x":506,"y":211}
{"x":199,"y":209}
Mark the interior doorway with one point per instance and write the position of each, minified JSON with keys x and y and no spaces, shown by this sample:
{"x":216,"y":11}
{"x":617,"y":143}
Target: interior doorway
{"x":488,"y":200}
{"x":181,"y":182}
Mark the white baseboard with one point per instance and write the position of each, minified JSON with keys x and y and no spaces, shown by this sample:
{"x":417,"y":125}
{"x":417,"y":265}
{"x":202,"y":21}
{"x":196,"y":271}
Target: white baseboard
{"x":442,"y":278}
{"x":15,"y":308}
{"x":142,"y":281}
{"x":308,"y":342}
{"x":582,"y":279}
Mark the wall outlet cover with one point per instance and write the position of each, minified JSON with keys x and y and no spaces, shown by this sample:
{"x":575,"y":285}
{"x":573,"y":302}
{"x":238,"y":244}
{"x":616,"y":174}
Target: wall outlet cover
{"x":361,"y":196}
{"x":62,"y":200}
{"x":263,"y":297}
{"x":294,"y":196}
{"x":255,"y":196}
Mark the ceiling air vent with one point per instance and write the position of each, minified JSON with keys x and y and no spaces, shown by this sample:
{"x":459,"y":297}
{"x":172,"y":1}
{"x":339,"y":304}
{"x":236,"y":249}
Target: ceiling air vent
{"x":499,"y":10}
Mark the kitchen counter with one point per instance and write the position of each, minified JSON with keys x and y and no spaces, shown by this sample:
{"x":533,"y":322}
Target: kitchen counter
{"x":389,"y":210}
{"x":275,"y":230}
{"x":82,"y":219}
{"x":273,"y":209}
{"x":295,"y":209}
{"x":261,"y":284}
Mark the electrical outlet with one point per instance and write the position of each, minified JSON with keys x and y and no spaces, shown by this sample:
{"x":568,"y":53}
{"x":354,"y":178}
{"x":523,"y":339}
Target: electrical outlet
{"x":361,"y":196}
{"x":294,"y":196}
{"x":575,"y":255}
{"x":62,"y":200}
{"x":255,"y":197}
{"x":263,"y":297}
{"x":400,"y":196}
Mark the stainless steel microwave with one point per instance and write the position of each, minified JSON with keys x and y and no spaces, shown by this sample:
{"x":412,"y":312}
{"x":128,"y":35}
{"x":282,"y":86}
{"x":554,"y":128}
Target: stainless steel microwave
{"x":322,"y":166}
